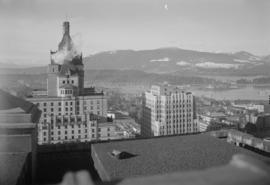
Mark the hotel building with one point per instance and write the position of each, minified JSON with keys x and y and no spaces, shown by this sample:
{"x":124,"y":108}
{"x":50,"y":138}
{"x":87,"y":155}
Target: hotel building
{"x":67,"y":106}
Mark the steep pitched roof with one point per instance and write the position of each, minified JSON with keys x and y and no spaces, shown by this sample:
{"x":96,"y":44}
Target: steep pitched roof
{"x":12,"y":103}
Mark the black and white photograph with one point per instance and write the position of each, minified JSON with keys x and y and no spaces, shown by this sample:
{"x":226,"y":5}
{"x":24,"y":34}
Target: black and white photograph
{"x":134,"y":92}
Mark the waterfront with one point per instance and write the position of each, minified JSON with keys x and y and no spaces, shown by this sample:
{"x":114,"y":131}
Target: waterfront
{"x":244,"y":93}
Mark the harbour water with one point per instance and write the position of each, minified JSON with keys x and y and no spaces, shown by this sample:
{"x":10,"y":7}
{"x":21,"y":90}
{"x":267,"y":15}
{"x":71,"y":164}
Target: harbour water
{"x":244,"y":93}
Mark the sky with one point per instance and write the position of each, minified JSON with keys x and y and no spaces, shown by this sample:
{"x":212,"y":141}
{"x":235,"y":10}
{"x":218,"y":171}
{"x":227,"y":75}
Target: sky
{"x":31,"y":28}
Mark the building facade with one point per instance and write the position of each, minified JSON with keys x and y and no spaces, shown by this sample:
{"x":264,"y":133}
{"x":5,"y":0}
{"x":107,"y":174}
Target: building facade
{"x":66,"y":104}
{"x":168,"y":110}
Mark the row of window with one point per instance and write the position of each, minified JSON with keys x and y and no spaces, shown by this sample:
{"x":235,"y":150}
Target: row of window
{"x":177,"y":132}
{"x":68,"y":102}
{"x":72,"y":81}
{"x":72,"y":137}
{"x":72,"y":131}
{"x":66,"y":91}
{"x":177,"y":121}
{"x":178,"y":112}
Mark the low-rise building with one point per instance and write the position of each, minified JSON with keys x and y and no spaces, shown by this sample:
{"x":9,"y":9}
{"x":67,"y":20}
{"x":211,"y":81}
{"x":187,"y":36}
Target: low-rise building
{"x":259,"y":108}
{"x":127,"y":126}
{"x":204,"y":120}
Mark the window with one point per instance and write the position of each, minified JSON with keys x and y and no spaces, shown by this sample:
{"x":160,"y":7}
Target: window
{"x":44,"y":110}
{"x":64,"y":82}
{"x":65,"y":137}
{"x":99,"y":129}
{"x":72,"y":131}
{"x":51,"y":109}
{"x":65,"y":132}
{"x":59,"y":132}
{"x":44,"y":103}
{"x":108,"y":129}
{"x":59,"y":109}
{"x":44,"y":133}
{"x":59,"y":103}
{"x":72,"y":137}
{"x":51,"y":103}
{"x":79,"y":131}
{"x":93,"y":130}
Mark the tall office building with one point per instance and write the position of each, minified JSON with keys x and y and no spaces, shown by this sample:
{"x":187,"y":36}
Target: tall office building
{"x":168,"y":110}
{"x":66,"y":105}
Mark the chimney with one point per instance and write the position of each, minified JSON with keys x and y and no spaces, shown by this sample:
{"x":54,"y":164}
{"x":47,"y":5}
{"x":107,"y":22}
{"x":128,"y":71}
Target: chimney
{"x":66,"y":28}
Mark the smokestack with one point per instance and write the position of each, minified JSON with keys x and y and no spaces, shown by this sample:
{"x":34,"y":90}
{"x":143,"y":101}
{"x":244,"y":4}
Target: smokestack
{"x":66,"y":28}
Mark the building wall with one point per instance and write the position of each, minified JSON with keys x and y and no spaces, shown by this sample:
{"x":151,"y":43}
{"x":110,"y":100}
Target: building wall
{"x":77,"y":128}
{"x":69,"y":107}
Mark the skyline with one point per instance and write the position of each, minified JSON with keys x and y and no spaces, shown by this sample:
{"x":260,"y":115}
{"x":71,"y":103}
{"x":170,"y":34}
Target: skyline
{"x":102,"y":25}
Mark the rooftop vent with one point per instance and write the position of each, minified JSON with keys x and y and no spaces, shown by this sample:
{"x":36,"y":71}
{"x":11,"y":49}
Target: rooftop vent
{"x":121,"y":154}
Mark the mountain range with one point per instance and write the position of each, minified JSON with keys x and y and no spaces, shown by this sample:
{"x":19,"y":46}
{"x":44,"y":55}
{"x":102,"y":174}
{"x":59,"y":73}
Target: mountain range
{"x":174,"y":61}
{"x":181,"y":62}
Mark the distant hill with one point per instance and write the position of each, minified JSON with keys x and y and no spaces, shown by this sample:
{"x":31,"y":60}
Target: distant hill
{"x":173,"y":61}
{"x":29,"y":70}
{"x":180,"y":61}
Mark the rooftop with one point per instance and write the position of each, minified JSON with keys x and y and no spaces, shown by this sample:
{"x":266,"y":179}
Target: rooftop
{"x":164,"y":155}
{"x":14,"y":109}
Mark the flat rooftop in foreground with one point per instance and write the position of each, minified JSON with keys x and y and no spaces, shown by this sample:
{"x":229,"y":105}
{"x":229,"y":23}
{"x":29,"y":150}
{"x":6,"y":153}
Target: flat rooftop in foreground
{"x":164,"y":155}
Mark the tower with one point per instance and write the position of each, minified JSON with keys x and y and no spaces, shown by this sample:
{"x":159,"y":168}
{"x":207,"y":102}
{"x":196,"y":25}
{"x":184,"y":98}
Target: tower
{"x":66,"y":69}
